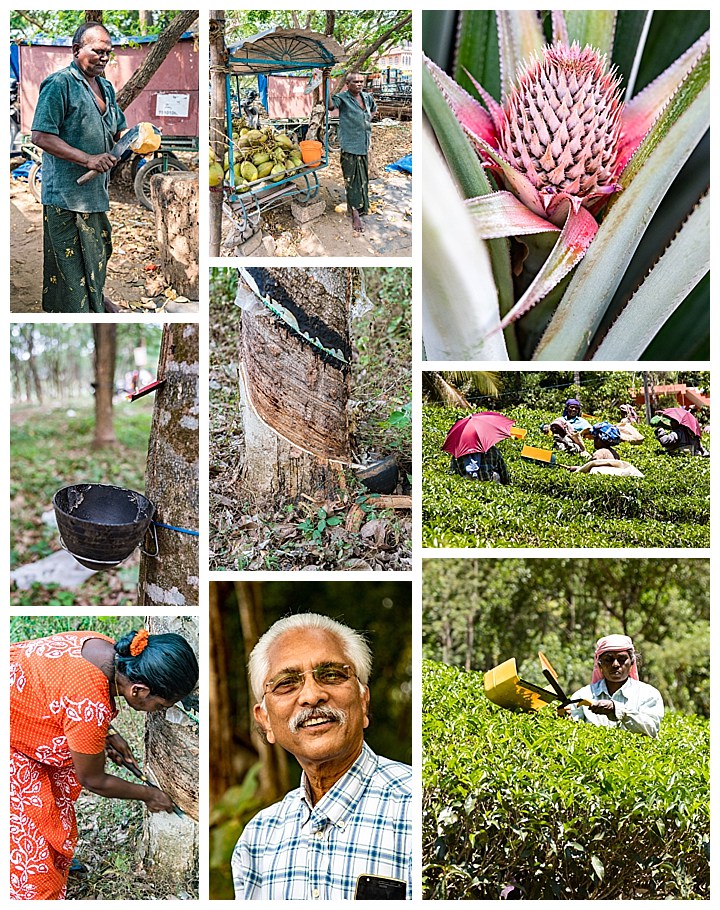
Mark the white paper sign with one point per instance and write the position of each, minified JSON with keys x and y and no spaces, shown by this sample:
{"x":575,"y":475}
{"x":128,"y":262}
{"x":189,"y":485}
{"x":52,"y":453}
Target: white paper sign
{"x":167,"y":105}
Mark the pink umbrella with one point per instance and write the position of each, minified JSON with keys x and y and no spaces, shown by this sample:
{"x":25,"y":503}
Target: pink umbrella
{"x":477,"y":433}
{"x":685,"y":418}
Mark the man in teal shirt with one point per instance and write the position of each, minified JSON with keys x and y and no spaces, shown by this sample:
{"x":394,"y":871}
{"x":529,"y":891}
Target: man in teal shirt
{"x":356,"y":109}
{"x":77,"y":121}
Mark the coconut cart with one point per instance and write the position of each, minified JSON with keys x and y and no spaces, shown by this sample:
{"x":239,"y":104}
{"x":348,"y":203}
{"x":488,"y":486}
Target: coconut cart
{"x":268,"y":167}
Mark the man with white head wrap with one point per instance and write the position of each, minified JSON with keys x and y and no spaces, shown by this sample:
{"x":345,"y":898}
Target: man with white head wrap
{"x":619,"y":698}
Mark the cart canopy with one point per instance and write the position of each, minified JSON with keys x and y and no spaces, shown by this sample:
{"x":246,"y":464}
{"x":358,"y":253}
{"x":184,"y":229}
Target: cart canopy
{"x":282,"y":49}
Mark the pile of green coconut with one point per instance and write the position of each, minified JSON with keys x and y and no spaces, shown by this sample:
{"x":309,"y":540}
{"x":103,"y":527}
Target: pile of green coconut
{"x":258,"y":156}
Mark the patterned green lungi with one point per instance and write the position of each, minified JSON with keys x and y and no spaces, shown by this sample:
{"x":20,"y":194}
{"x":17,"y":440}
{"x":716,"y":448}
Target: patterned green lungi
{"x":355,"y":175}
{"x":76,"y":249}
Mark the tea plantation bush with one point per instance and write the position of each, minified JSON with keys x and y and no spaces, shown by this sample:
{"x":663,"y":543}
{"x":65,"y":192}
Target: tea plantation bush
{"x":562,"y":810}
{"x":548,"y":506}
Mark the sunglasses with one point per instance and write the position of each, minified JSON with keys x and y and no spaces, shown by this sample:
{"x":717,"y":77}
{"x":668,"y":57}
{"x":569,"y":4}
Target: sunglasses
{"x":609,"y":661}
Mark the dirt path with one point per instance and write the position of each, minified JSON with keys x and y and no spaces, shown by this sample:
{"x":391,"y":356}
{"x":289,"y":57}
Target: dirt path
{"x":388,"y":226}
{"x":134,"y":281}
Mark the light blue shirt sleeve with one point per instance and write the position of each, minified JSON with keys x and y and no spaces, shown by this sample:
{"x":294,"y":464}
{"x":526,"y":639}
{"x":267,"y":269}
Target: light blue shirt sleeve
{"x":638,"y":707}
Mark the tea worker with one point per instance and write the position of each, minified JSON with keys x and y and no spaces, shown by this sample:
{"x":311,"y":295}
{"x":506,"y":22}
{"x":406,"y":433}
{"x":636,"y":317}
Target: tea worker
{"x":603,"y":462}
{"x":572,"y":412}
{"x":356,"y":108}
{"x":350,"y":817}
{"x":675,"y":438}
{"x":63,"y":692}
{"x":76,"y":123}
{"x":619,"y":698}
{"x":488,"y":465}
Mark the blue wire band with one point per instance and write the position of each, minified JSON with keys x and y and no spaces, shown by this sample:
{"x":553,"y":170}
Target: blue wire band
{"x":173,"y":528}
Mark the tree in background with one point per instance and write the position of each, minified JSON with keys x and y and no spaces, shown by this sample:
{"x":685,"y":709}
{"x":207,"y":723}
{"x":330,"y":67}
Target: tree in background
{"x":105,"y":338}
{"x":480,"y":612}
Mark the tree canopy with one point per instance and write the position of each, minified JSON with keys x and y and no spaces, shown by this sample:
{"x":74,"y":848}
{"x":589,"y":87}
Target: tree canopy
{"x":480,"y":612}
{"x":63,"y":23}
{"x":356,"y":30}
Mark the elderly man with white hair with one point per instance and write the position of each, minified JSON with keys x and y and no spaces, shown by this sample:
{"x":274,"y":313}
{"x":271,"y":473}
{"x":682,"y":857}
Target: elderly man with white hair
{"x":618,"y":697}
{"x":345,"y":833}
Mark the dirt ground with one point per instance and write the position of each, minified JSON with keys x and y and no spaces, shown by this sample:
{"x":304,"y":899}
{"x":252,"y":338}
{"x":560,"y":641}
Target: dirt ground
{"x":388,"y":227}
{"x":135,"y":281}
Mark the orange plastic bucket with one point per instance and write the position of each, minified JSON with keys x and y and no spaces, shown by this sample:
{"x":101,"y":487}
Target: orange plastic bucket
{"x":311,"y":151}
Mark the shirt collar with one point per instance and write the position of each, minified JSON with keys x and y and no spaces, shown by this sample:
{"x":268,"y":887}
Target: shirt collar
{"x":342,"y":798}
{"x":623,"y":691}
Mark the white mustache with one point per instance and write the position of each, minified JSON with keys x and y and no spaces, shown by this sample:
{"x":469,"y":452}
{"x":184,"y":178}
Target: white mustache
{"x":302,"y":717}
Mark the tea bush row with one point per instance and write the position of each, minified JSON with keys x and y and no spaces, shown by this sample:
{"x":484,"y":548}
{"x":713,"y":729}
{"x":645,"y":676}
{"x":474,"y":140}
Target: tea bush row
{"x":548,"y":506}
{"x":558,"y":809}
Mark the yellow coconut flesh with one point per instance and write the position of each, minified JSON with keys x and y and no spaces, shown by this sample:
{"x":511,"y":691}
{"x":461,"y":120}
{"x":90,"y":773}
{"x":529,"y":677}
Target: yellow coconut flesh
{"x":147,"y":140}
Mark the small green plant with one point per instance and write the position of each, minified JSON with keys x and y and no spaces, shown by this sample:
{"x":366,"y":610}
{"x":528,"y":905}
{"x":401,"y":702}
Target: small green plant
{"x":313,"y":527}
{"x":400,"y":419}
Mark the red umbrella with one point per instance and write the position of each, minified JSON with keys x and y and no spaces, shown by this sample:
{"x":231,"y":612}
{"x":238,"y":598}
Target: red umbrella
{"x":685,"y":418}
{"x":477,"y":433}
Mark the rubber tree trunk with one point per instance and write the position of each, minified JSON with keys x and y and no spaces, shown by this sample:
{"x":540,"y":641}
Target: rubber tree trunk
{"x":171,"y":476}
{"x":170,"y":842}
{"x":294,"y":390}
{"x":105,"y":338}
{"x":177,"y":229}
{"x":218,"y":129}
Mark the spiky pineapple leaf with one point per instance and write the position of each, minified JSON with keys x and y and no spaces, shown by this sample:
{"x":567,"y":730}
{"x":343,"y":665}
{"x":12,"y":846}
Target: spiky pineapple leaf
{"x":459,"y":153}
{"x":520,"y":36}
{"x":630,"y":37}
{"x":686,"y":335}
{"x":670,"y":30}
{"x":472,"y":180}
{"x":678,"y":129}
{"x":594,"y":27}
{"x":461,"y":317}
{"x":679,"y":269}
{"x":438,"y":35}
{"x":477,"y":51}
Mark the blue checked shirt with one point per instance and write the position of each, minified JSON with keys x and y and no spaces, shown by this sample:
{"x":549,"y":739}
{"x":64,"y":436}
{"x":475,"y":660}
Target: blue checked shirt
{"x":361,"y":826}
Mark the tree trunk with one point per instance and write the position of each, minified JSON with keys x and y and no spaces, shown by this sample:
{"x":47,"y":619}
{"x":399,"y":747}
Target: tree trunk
{"x":145,"y":17}
{"x":175,"y":203}
{"x":105,"y":337}
{"x":273,"y":778}
{"x":220,"y":720}
{"x":294,"y":392}
{"x":166,"y":40}
{"x":171,"y":476}
{"x":218,"y":128}
{"x":172,"y":750}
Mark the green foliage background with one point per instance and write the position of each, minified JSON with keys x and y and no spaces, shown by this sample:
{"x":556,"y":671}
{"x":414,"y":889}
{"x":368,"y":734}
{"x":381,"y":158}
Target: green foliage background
{"x":63,"y":23}
{"x":547,"y":506}
{"x":561,"y":810}
{"x":479,"y":612}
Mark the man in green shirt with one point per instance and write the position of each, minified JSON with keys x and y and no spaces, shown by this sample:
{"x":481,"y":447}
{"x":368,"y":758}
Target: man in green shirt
{"x":356,"y":109}
{"x":77,"y":121}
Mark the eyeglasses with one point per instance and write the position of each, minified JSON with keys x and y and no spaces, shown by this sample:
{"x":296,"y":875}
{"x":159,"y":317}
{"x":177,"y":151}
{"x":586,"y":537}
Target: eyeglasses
{"x":324,"y":675}
{"x":608,"y":661}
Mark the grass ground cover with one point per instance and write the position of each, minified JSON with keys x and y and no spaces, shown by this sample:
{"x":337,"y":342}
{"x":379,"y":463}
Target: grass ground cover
{"x":551,"y":507}
{"x":51,"y":448}
{"x":557,"y":809}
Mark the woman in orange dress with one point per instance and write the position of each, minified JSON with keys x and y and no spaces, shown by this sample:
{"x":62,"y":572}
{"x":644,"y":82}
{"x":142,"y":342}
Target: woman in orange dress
{"x":62,"y":700}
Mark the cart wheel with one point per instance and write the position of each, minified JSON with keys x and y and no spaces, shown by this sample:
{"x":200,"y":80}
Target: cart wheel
{"x":154,"y":166}
{"x":35,"y":181}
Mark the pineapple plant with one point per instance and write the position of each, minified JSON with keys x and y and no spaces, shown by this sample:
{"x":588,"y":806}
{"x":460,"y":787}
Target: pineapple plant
{"x":539,"y":235}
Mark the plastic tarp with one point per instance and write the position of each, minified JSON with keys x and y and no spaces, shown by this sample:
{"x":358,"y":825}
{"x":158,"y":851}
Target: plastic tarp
{"x":404,"y":165}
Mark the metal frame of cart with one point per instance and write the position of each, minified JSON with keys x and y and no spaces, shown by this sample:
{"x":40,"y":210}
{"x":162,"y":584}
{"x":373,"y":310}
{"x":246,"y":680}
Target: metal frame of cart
{"x":275,"y":51}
